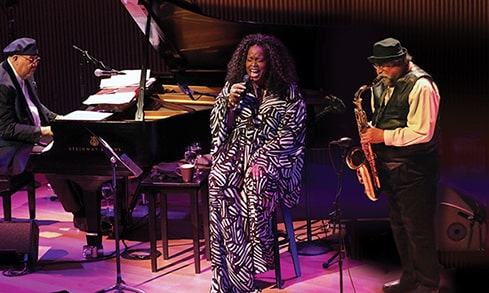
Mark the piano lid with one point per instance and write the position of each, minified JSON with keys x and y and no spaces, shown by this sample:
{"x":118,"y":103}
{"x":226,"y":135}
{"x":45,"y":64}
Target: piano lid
{"x":190,"y":42}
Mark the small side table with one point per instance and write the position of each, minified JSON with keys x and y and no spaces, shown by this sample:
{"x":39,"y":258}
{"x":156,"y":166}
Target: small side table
{"x":198,"y":187}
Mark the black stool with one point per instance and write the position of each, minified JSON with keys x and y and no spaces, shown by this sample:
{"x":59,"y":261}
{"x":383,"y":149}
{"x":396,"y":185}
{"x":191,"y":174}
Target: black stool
{"x":9,"y":185}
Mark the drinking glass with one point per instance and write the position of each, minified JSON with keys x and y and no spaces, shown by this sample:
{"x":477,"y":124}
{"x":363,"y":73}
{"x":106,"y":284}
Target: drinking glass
{"x":190,"y":155}
{"x":107,"y":195}
{"x":196,"y":147}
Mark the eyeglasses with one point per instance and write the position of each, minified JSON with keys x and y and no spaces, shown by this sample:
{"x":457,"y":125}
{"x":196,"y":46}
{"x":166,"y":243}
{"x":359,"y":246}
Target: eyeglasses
{"x":386,"y":65}
{"x":32,"y":60}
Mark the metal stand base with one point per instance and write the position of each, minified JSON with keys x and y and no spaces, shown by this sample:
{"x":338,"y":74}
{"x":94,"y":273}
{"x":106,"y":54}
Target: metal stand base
{"x":121,"y":287}
{"x":313,"y":247}
{"x":114,"y":159}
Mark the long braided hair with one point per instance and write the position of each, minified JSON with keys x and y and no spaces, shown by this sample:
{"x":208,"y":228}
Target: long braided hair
{"x":281,"y":66}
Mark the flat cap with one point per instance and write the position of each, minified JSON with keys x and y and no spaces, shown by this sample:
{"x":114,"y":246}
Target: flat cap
{"x":22,"y":46}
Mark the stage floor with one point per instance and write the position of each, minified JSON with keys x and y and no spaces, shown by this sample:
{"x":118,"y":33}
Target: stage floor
{"x":61,"y":267}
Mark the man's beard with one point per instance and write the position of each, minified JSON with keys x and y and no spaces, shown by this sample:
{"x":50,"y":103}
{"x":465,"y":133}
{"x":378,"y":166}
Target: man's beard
{"x":386,"y":81}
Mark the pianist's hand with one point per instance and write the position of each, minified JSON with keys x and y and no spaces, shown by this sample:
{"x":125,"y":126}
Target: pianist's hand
{"x":46,"y":130}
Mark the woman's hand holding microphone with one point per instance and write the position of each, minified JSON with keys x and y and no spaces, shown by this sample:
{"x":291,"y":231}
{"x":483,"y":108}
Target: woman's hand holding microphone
{"x":236,"y":91}
{"x":235,"y":94}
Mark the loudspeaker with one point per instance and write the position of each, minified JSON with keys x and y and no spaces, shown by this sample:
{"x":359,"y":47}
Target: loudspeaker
{"x":19,"y":243}
{"x":460,"y":221}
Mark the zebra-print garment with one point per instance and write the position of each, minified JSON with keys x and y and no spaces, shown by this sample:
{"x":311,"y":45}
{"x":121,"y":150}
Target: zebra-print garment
{"x":272,"y":135}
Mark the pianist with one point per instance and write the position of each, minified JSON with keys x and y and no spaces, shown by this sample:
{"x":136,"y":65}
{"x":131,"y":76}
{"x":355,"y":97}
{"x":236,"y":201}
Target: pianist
{"x":24,"y":120}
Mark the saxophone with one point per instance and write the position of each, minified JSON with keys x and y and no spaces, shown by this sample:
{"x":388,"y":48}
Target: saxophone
{"x":363,"y":159}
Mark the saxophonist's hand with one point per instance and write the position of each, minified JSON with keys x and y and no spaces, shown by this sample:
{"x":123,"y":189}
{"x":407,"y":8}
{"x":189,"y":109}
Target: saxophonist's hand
{"x":372,"y":135}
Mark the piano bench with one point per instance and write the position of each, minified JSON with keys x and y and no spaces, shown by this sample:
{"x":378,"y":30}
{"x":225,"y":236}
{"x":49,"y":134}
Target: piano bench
{"x":9,"y":185}
{"x":195,"y":190}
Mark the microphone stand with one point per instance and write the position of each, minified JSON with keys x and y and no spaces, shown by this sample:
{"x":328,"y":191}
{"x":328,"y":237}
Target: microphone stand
{"x":9,"y":4}
{"x":337,"y":212}
{"x":318,"y":246}
{"x":115,"y":160}
{"x":92,"y":59}
{"x":88,"y":58}
{"x":81,"y":80}
{"x":311,"y":247}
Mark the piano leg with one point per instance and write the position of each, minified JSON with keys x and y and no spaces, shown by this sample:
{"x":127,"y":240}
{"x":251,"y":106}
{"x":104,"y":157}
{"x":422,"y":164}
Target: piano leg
{"x":92,"y":198}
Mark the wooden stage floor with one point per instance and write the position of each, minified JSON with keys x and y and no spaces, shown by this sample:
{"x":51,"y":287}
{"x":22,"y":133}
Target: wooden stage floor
{"x":61,"y":267}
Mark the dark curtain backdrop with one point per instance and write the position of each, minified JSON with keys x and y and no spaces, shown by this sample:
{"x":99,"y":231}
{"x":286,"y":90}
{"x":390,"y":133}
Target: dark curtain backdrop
{"x":448,"y":38}
{"x":103,"y":28}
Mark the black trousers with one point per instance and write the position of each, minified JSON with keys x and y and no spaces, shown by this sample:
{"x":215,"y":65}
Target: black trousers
{"x":410,"y":186}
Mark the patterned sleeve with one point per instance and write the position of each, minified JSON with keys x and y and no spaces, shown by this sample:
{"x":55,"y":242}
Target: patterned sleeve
{"x":284,"y":154}
{"x":219,"y":129}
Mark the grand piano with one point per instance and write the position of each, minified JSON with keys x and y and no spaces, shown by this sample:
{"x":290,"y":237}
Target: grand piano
{"x":77,"y":156}
{"x":165,"y":117}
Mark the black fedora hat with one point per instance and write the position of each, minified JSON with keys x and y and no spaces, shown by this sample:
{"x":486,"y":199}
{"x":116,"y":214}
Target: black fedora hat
{"x":387,"y":50}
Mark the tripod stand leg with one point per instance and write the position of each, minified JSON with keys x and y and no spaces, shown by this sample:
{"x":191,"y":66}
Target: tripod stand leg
{"x":330,"y":260}
{"x":127,"y":288}
{"x":121,"y":287}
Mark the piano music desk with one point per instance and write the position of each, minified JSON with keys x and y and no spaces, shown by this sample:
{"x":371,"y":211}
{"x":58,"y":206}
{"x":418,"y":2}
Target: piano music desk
{"x":198,"y":187}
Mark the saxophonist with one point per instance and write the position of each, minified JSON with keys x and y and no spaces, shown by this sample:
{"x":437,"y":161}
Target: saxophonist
{"x":404,"y":138}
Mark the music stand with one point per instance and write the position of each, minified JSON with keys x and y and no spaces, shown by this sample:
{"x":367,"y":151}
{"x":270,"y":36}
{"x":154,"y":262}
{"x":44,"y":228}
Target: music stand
{"x":129,"y":164}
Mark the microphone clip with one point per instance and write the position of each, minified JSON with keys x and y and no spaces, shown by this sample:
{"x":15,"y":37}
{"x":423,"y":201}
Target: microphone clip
{"x":344,"y":142}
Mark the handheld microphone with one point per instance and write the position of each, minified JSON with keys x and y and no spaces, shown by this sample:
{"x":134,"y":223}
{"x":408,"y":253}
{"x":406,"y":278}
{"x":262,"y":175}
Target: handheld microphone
{"x":246,"y":80}
{"x":107,"y":73}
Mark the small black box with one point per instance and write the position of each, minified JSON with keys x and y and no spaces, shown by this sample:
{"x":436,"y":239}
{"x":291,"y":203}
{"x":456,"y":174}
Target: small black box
{"x":19,"y":241}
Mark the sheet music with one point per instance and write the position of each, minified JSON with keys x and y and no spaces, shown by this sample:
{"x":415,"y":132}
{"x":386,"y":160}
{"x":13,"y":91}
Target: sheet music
{"x":119,"y":89}
{"x":115,"y":98}
{"x":131,"y":77}
{"x":131,"y":165}
{"x":86,"y":115}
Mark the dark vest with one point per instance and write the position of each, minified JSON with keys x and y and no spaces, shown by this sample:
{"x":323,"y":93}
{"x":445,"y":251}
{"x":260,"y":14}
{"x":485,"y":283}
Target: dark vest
{"x":394,"y":115}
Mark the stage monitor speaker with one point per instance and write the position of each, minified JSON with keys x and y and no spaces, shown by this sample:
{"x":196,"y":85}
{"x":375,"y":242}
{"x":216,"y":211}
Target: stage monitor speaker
{"x":19,"y":244}
{"x":460,"y":221}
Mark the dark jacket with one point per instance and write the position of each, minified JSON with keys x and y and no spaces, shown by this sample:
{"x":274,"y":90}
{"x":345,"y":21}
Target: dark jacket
{"x":18,"y":134}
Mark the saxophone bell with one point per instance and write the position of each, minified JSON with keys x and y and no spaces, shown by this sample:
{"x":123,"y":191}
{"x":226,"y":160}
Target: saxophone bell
{"x":355,"y":158}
